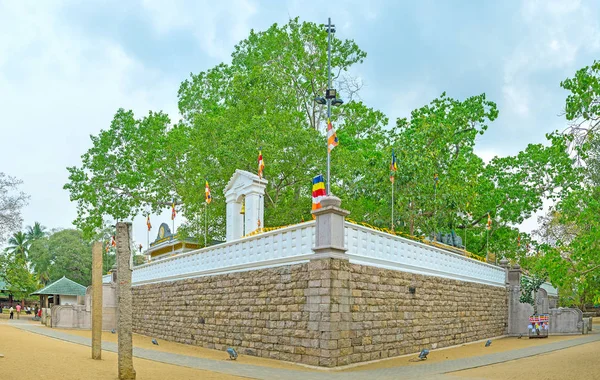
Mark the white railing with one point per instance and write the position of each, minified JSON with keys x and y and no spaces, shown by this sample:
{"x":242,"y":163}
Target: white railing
{"x":374,"y":248}
{"x":283,"y":246}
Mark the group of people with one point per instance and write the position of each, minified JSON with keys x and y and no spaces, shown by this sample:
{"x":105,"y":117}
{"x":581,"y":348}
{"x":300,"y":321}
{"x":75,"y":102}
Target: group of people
{"x":18,"y":310}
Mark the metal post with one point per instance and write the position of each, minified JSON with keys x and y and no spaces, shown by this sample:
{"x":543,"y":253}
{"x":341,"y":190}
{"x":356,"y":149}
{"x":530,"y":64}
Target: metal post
{"x":328,"y":100}
{"x":205,"y":222}
{"x":392,"y":205}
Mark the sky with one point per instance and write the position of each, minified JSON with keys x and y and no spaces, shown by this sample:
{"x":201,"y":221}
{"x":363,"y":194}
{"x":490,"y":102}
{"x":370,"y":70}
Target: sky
{"x":67,"y":66}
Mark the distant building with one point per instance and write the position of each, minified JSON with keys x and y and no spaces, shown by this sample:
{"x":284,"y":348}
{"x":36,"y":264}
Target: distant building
{"x":167,"y":244}
{"x":61,"y":292}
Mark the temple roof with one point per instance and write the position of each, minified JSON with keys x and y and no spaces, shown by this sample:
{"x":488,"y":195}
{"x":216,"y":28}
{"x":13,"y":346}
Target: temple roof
{"x":64,"y":286}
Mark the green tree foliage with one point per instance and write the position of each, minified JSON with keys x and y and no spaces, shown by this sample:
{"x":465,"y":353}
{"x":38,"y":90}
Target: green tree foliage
{"x":529,"y":288}
{"x":582,"y":107}
{"x":265,"y":98}
{"x":570,"y":232}
{"x":63,"y":253}
{"x":18,"y":245}
{"x":13,"y":270}
{"x":37,"y":231}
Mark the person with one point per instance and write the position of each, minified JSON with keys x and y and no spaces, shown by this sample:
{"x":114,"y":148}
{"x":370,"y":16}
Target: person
{"x":11,"y":311}
{"x":18,"y":311}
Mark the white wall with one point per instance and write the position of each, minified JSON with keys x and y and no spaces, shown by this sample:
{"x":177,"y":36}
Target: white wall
{"x":68,"y":300}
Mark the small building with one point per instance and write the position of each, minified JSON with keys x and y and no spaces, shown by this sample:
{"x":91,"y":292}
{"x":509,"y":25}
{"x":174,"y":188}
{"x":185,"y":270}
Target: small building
{"x":5,"y":295}
{"x":168,"y":244}
{"x":61,"y":292}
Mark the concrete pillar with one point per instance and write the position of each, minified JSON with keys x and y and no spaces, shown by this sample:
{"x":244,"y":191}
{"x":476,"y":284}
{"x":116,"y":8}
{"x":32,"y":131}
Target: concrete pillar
{"x":124,"y":302}
{"x":329,"y":230}
{"x":514,"y":294}
{"x":254,"y":212}
{"x":97,"y":301}
{"x":234,"y":222}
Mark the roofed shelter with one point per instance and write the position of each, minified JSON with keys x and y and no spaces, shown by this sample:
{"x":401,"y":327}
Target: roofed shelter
{"x":62,"y":292}
{"x":5,"y":295}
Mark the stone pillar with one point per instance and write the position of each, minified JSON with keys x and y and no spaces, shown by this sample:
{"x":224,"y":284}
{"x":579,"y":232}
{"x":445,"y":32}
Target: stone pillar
{"x":97,"y":301}
{"x":328,"y":295}
{"x":113,"y":273}
{"x":513,"y":277}
{"x":124,"y":302}
{"x":329,"y":229}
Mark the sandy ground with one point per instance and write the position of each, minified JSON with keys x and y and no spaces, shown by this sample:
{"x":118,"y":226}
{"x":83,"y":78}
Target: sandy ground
{"x":579,"y":362}
{"x":39,"y":357}
{"x":143,"y":341}
{"x":466,"y":351}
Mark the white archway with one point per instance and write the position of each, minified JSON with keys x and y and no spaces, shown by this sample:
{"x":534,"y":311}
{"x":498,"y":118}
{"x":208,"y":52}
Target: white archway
{"x":248,"y":188}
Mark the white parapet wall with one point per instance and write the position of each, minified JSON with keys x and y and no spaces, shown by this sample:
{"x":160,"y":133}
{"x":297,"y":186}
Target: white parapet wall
{"x":367,"y":246}
{"x":285,"y":246}
{"x":292,"y":245}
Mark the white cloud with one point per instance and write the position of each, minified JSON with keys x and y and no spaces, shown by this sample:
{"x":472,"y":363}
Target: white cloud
{"x":58,"y":86}
{"x":554,"y":33}
{"x":217,"y":26}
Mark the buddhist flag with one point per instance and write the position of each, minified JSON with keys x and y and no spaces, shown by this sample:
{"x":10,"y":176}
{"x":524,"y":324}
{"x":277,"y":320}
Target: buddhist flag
{"x":107,"y":246}
{"x":393,"y":166}
{"x":113,"y":241}
{"x":261,"y":164}
{"x":207,"y":196}
{"x":489,"y":222}
{"x":148,"y":223}
{"x":173,"y":212}
{"x":519,"y":241}
{"x":318,"y":191}
{"x":332,"y":140}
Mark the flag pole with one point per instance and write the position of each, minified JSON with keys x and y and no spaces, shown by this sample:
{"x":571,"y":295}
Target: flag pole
{"x":205,"y":222}
{"x":328,"y":100}
{"x":392,"y":203}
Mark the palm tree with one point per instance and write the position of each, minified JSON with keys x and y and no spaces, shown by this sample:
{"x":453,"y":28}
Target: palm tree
{"x":18,"y":245}
{"x":35,"y":232}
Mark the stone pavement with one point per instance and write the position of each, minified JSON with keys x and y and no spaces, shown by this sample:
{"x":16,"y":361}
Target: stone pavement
{"x":423,"y":371}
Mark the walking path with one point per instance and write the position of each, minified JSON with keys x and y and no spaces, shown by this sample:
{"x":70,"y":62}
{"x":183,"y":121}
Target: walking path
{"x":424,"y":370}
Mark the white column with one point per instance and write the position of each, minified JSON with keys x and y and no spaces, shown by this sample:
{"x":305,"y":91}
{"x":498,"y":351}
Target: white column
{"x":234,"y":219}
{"x":254,"y":211}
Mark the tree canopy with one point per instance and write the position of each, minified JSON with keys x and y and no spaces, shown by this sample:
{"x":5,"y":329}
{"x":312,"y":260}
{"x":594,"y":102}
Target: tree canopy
{"x":265,"y":99}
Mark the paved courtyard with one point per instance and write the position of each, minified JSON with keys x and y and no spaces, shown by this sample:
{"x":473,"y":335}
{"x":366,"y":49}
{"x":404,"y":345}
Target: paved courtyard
{"x":32,"y":349}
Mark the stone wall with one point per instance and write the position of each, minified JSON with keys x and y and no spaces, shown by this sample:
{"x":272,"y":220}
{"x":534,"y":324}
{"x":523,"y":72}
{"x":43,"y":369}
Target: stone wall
{"x":258,"y":312}
{"x":388,"y":320}
{"x":327,"y":312}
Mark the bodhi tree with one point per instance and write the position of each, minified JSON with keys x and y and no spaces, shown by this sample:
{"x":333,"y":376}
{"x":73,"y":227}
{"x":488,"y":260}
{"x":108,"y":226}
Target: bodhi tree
{"x":438,"y":141}
{"x":569,"y":232}
{"x":263,"y":99}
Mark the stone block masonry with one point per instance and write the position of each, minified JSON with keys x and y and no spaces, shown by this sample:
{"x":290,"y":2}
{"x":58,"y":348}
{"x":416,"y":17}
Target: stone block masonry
{"x":327,"y":312}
